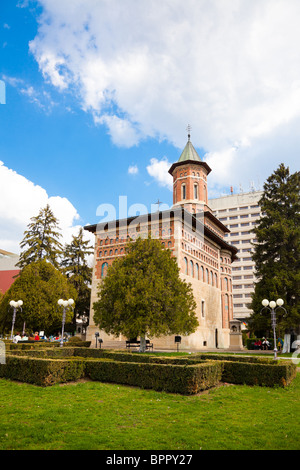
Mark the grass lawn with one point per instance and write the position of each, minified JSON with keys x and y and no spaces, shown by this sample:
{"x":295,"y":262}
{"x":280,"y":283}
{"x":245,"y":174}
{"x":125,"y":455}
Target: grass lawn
{"x":96,"y":416}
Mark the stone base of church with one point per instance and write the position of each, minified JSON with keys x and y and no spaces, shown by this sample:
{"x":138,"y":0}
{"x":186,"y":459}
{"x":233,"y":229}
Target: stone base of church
{"x":202,"y":340}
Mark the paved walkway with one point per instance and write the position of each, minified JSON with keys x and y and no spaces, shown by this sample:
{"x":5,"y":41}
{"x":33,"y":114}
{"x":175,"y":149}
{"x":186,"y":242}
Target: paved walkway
{"x":245,"y":352}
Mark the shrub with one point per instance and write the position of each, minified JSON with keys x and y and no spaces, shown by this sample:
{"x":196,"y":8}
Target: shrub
{"x":269,"y":375}
{"x":42,"y":372}
{"x":186,"y":380}
{"x":74,"y":339}
{"x":185,"y":375}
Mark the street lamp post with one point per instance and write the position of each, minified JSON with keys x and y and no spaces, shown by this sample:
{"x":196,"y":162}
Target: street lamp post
{"x":272,"y":307}
{"x":66,"y":304}
{"x":15,"y":305}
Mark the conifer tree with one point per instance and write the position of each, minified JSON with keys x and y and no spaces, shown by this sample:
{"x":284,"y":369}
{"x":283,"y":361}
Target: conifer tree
{"x":39,"y":285}
{"x":143,"y":295}
{"x":277,"y":250}
{"x":41,"y":239}
{"x":75,"y":266}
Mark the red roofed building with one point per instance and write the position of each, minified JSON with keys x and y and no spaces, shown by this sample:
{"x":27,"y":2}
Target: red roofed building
{"x":8,"y":269}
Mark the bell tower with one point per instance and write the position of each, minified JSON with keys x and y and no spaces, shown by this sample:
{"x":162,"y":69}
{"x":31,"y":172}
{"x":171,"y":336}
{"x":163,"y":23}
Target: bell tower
{"x":190,"y":180}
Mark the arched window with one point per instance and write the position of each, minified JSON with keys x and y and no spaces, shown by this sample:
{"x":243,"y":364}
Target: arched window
{"x":203,"y":308}
{"x":202,"y":273}
{"x":216,"y":280}
{"x":197,"y":271}
{"x":104,"y":270}
{"x":211,"y":278}
{"x":185,"y":266}
{"x":225,"y":283}
{"x":226,"y":303}
{"x":191,"y":268}
{"x":207,"y":276}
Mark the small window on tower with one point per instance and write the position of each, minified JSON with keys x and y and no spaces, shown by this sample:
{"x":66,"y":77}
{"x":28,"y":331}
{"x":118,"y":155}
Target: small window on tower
{"x":195,"y":191}
{"x":183,"y":191}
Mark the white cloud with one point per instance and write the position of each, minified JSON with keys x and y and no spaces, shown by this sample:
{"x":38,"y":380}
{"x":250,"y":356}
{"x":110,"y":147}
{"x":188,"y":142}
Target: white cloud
{"x":20,"y":199}
{"x":133,"y":170}
{"x":121,"y":130}
{"x":158,"y":169}
{"x":41,"y":98}
{"x":230,"y":69}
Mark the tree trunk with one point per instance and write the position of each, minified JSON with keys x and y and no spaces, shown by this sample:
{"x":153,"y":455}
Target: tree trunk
{"x":142,"y":344}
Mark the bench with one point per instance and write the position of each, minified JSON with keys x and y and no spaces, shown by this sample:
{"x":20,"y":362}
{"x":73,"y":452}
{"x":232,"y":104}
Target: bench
{"x":134,"y":343}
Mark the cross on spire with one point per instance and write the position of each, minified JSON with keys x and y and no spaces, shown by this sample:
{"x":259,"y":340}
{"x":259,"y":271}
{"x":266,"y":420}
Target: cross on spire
{"x":189,"y":128}
{"x":158,"y":203}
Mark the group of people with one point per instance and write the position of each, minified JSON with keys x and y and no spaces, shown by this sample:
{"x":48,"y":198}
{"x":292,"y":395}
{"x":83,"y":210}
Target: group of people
{"x":35,"y":337}
{"x":24,"y":337}
{"x":262,"y":344}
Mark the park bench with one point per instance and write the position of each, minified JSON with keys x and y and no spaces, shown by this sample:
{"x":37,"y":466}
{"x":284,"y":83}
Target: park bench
{"x":134,"y":343}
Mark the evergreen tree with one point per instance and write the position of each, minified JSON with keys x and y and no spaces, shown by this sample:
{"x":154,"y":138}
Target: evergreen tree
{"x":143,"y":295}
{"x":276,"y":252}
{"x":75,"y":266}
{"x":41,"y":240}
{"x":39,"y":285}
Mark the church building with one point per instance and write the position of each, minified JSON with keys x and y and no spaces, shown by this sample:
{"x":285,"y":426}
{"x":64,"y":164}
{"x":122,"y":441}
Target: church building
{"x":197,"y":240}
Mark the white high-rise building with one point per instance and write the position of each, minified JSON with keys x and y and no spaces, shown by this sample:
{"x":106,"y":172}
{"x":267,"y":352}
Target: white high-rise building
{"x":240,"y":212}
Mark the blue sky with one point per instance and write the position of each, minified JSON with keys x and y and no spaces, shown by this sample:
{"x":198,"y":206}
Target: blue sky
{"x":99,"y":95}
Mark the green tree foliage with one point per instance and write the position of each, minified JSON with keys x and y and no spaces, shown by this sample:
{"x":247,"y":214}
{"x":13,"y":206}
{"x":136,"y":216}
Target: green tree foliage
{"x":75,"y":266}
{"x":39,"y":285}
{"x":143,"y":295}
{"x":277,"y":251}
{"x":41,"y":239}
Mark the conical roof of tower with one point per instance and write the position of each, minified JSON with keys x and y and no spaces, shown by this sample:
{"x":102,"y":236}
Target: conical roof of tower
{"x":189,"y":155}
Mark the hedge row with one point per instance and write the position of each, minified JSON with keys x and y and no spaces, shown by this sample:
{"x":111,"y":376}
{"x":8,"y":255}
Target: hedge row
{"x":268,"y":375}
{"x":35,"y":345}
{"x":233,"y":358}
{"x":186,"y":375}
{"x":42,"y":372}
{"x":184,"y":379}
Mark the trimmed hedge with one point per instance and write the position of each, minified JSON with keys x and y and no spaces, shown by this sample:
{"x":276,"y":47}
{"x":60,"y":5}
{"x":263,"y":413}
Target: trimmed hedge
{"x":42,"y":372}
{"x":268,"y":375}
{"x":35,"y":345}
{"x":24,"y":346}
{"x":233,"y":358}
{"x":186,"y":375}
{"x":186,"y":380}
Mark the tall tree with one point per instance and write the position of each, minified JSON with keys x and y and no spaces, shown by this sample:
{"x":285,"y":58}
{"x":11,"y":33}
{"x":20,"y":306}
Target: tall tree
{"x":277,"y":250}
{"x":41,"y":239}
{"x":39,"y":285}
{"x":143,"y":295}
{"x":75,"y":266}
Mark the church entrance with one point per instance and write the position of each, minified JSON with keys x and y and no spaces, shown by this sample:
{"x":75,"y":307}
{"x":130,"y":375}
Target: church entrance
{"x":216,"y":338}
